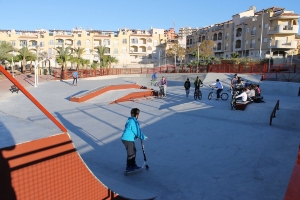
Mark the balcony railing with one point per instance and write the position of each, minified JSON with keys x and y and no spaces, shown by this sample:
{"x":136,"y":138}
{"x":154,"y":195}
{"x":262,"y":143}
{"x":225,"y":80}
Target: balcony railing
{"x":237,"y":46}
{"x":219,"y":38}
{"x":134,"y":42}
{"x":253,"y":32}
{"x":284,"y":29}
{"x":238,"y":34}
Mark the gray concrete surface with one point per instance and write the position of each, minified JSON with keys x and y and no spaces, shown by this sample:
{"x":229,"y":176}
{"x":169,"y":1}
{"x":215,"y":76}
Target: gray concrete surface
{"x":196,"y":149}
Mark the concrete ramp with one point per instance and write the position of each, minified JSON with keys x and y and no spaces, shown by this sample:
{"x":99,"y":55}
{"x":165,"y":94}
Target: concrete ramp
{"x":51,"y":168}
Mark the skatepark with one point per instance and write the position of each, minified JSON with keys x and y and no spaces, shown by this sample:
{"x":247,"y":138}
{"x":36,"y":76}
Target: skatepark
{"x":197,"y":149}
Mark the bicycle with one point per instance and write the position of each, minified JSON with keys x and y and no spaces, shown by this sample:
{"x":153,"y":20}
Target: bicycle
{"x":153,"y":83}
{"x":198,"y":93}
{"x":224,"y":95}
{"x":161,"y":92}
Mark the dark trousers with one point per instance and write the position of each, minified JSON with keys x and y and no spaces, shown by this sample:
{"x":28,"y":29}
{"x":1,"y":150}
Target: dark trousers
{"x":74,"y":80}
{"x":218,"y":93}
{"x":131,"y":152}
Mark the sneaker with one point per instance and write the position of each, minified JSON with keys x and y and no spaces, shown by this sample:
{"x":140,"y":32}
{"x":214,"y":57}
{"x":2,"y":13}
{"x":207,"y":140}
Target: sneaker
{"x":136,"y":167}
{"x":129,"y":169}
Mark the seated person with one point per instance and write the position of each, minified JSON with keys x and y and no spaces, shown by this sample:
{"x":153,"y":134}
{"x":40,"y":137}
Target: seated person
{"x":242,"y":96}
{"x":251,"y":93}
{"x":247,"y":83}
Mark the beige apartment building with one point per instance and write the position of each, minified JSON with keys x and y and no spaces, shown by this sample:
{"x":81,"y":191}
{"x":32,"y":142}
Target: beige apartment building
{"x":251,"y":34}
{"x":131,"y":47}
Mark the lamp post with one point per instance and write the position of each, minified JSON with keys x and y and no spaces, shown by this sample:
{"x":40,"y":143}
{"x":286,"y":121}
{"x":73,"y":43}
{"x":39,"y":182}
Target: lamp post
{"x":12,"y":63}
{"x":35,"y":67}
{"x":198,"y":57}
{"x":261,"y":32}
{"x":159,"y":57}
{"x":270,"y":55}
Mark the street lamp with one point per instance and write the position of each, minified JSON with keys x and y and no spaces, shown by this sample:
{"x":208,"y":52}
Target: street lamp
{"x":12,"y":63}
{"x":198,"y":57}
{"x":35,"y":67}
{"x":261,"y":32}
{"x":159,"y":57}
{"x":270,"y":55}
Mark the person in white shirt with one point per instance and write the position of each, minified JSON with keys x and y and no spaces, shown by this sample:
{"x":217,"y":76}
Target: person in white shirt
{"x":242,"y":96}
{"x":219,"y":85}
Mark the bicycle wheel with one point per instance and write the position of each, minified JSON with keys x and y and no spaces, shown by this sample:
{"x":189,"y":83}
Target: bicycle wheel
{"x":210,"y":95}
{"x":224,"y":96}
{"x":195,"y":95}
{"x":200,"y":95}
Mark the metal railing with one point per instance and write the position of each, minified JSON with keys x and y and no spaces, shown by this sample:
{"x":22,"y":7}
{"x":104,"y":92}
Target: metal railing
{"x":273,"y":114}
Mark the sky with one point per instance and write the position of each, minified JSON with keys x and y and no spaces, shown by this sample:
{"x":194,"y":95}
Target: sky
{"x":132,"y":14}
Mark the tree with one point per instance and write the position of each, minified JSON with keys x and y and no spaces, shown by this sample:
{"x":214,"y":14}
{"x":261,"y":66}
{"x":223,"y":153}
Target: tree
{"x":175,"y":50}
{"x":79,"y":52}
{"x":63,"y":56}
{"x":5,"y":49}
{"x":108,"y":60}
{"x":206,"y":48}
{"x":101,"y":50}
{"x":25,"y":55}
{"x":235,"y":55}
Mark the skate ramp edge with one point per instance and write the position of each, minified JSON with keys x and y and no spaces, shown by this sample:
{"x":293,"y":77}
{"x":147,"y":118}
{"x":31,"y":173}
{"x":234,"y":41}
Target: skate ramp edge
{"x":82,"y":97}
{"x":292,"y":191}
{"x":50,"y":168}
{"x":135,"y":95}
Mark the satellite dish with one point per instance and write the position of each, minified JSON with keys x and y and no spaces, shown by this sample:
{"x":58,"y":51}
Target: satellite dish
{"x":252,"y":8}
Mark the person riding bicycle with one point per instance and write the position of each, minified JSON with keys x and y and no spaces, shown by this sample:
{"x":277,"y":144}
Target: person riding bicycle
{"x":163,"y":82}
{"x":239,"y":85}
{"x":218,"y":85}
{"x":197,"y":83}
{"x":154,"y":77}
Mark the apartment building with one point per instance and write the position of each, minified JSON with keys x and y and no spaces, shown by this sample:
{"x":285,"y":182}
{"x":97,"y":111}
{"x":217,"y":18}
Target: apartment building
{"x":129,"y":46}
{"x":251,"y":34}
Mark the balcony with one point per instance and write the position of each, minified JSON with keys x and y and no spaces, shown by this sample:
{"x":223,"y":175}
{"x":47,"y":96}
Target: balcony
{"x":238,"y":47}
{"x":238,"y":34}
{"x":283,"y":44}
{"x":137,"y":52}
{"x":59,"y":43}
{"x":283,"y":29}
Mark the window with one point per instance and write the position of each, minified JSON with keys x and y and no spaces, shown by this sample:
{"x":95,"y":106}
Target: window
{"x":265,"y":39}
{"x":266,"y":25}
{"x":51,"y":42}
{"x":13,"y":43}
{"x":251,"y":53}
{"x":23,"y":43}
{"x":42,"y":44}
{"x":124,"y":33}
{"x":79,"y":35}
{"x":51,"y":34}
{"x":124,"y":41}
{"x":34,"y":43}
{"x":246,"y":41}
{"x":258,"y":39}
{"x":149,"y":48}
{"x":115,"y":50}
{"x":124,"y":49}
{"x":88,"y":34}
{"x":259,"y":26}
{"x":116,"y":43}
{"x":87,"y":51}
{"x":78,"y":43}
{"x":247,"y":30}
{"x":134,"y":40}
{"x":87,"y":42}
{"x":227,"y":26}
{"x":106,"y":42}
{"x":8,"y":35}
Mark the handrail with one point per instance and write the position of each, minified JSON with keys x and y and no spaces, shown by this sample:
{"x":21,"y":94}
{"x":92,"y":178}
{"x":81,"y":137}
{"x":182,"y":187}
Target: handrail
{"x":274,"y":112}
{"x":31,"y":98}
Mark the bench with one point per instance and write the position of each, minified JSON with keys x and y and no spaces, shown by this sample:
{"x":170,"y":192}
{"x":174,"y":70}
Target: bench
{"x":14,"y":89}
{"x":240,"y":105}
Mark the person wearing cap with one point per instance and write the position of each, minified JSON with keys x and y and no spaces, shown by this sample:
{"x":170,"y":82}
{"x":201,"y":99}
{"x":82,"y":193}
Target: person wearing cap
{"x":218,"y":85}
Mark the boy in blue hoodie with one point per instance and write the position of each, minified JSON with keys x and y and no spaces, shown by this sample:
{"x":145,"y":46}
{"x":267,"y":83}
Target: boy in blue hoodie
{"x":131,"y":132}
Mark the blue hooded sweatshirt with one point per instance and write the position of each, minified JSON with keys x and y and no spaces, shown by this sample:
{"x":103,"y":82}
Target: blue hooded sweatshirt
{"x":132,"y":130}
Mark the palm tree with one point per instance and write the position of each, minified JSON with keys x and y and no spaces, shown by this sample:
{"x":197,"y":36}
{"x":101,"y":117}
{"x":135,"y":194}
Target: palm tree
{"x":63,"y":56}
{"x":73,"y":60}
{"x":5,"y":49}
{"x":25,"y":55}
{"x":101,"y":50}
{"x":79,"y":52}
{"x":109,"y":60}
